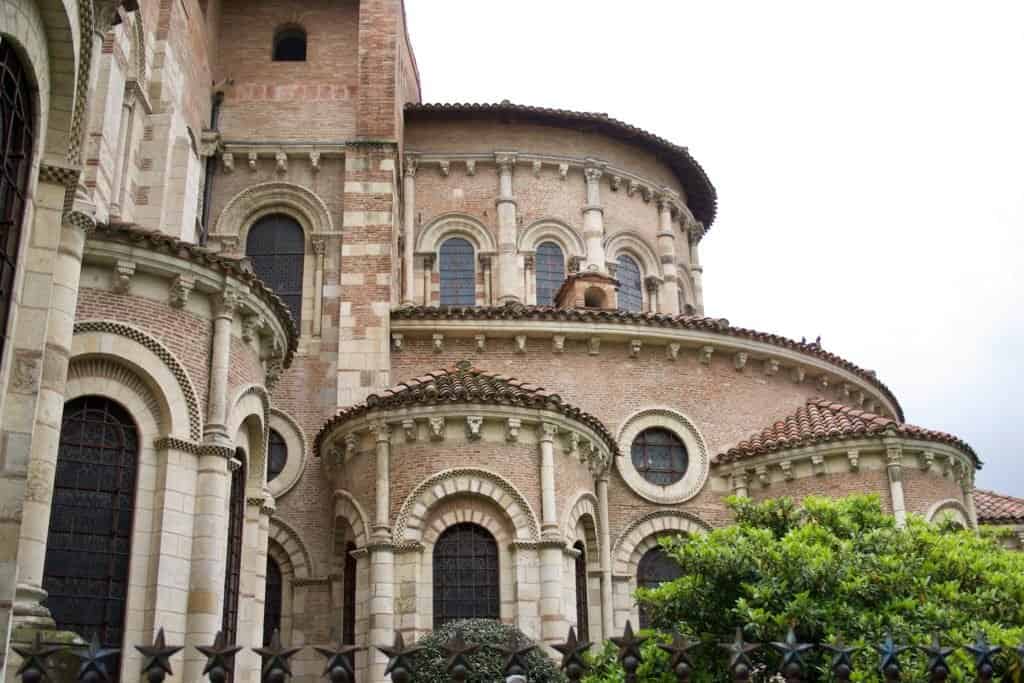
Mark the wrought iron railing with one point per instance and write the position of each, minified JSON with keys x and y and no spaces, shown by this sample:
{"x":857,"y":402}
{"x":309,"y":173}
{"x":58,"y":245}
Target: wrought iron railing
{"x":95,"y":660}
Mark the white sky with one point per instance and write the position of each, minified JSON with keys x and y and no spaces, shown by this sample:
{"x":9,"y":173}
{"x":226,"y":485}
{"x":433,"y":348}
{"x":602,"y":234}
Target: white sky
{"x":867,"y":157}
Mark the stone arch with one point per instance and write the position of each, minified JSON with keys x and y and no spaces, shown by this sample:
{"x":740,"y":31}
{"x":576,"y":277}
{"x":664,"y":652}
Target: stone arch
{"x":138,"y":36}
{"x":298,"y":448}
{"x":80,"y":112}
{"x":549,"y":229}
{"x":455,"y":225}
{"x":251,"y":405}
{"x":415,"y":510}
{"x":584,"y":504}
{"x":149,"y":359}
{"x":642,"y":534}
{"x":685,"y":280}
{"x":633,"y":244}
{"x":952,"y":506}
{"x":293,"y":548}
{"x":453,"y":511}
{"x":116,"y":379}
{"x":255,"y":202}
{"x":346,"y":506}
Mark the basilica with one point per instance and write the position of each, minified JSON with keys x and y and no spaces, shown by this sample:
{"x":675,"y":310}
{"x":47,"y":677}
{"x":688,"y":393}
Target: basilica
{"x":285,"y":347}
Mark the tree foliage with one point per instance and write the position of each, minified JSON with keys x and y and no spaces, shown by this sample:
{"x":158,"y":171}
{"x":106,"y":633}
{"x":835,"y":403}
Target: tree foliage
{"x":837,"y":569}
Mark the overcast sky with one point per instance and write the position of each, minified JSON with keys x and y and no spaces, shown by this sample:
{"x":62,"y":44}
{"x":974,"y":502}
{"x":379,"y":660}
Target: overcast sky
{"x":867,"y":155}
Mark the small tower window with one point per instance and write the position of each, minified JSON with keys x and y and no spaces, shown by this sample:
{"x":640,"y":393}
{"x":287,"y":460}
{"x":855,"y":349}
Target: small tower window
{"x":290,"y":45}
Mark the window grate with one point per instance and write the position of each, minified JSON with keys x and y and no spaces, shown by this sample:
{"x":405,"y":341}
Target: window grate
{"x":276,"y":246}
{"x":655,"y":568}
{"x":582,"y":602}
{"x":465,"y":574}
{"x":659,"y":456}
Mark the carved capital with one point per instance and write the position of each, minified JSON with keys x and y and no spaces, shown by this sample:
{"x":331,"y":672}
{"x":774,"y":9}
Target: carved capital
{"x":226,"y":303}
{"x":512,"y":427}
{"x":652,"y":283}
{"x":252,"y":325}
{"x":505,"y":162}
{"x":411,"y":162}
{"x":593,"y":173}
{"x":705,"y":354}
{"x":546,"y":431}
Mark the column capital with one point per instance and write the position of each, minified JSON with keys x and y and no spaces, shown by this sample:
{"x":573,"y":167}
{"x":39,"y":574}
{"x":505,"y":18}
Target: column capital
{"x":411,"y":162}
{"x":381,"y":431}
{"x":505,"y":161}
{"x":546,"y":432}
{"x":319,"y":246}
{"x":226,"y":303}
{"x":593,"y":172}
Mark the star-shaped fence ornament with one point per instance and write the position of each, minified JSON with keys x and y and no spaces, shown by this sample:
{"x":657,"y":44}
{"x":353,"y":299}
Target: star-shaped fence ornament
{"x":679,"y":649}
{"x":572,"y":655}
{"x":515,"y":657}
{"x":458,"y":650}
{"x":92,"y":662}
{"x":842,"y":659}
{"x":890,"y":653}
{"x":739,"y":656}
{"x":629,"y":650}
{"x":937,"y":667}
{"x":33,"y":659}
{"x":157,"y":663}
{"x":276,"y":668}
{"x":338,"y":668}
{"x":399,"y":659}
{"x":792,"y":655}
{"x":984,"y":667}
{"x":220,"y":658}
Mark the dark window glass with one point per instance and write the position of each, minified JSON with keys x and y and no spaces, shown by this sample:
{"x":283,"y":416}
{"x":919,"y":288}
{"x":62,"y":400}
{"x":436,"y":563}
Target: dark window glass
{"x":659,"y":456}
{"x":236,"y":522}
{"x":16,"y":124}
{"x":630,"y":293}
{"x":656,"y":567}
{"x":465,"y":574}
{"x":290,"y":45}
{"x":582,"y":608}
{"x":276,"y":246}
{"x":348,"y":614}
{"x":88,"y":546}
{"x":277,"y":455}
{"x":272,"y":601}
{"x":457,"y":263}
{"x":550,"y":272}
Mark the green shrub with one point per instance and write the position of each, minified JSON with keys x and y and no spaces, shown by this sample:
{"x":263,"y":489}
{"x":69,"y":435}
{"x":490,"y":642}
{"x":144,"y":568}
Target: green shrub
{"x":486,"y":664}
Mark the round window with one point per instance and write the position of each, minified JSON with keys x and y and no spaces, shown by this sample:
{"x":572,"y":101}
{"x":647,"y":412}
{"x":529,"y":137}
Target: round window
{"x":278,"y":455}
{"x":659,"y":456}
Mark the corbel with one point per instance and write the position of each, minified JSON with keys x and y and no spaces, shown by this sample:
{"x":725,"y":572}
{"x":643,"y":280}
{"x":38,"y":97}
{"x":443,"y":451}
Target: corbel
{"x":409,"y":428}
{"x":615,"y":182}
{"x":314,"y":162}
{"x":227,"y":160}
{"x":739,"y":361}
{"x":647,"y":192}
{"x":818,"y":464}
{"x":894,"y":463}
{"x":761,"y":472}
{"x":351,"y":445}
{"x":634,"y":348}
{"x":397,"y":341}
{"x":520,"y":343}
{"x":481,"y":342}
{"x":822,"y":383}
{"x":574,"y":447}
{"x":253,"y":156}
{"x":847,"y":391}
{"x":512,"y":427}
{"x":925,"y":460}
{"x":632,"y":188}
{"x":594,"y":346}
{"x":473,"y":424}
{"x":436,"y":425}
{"x":563,"y":171}
{"x":853,"y":457}
{"x":438,"y":342}
{"x":445,"y":167}
{"x":558,"y":343}
{"x":181,"y":288}
{"x":705,"y":354}
{"x":787,"y":469}
{"x":672,"y":351}
{"x":870,"y":406}
{"x":251,"y":326}
{"x":281,"y":163}
{"x":470,"y":167}
{"x":771,"y":367}
{"x":536,"y":168}
{"x":123,"y":272}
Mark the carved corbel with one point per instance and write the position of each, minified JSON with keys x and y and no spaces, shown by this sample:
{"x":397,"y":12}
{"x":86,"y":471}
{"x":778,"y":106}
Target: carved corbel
{"x":473,"y":425}
{"x":536,"y":168}
{"x":397,"y":341}
{"x":672,"y":351}
{"x":739,"y":361}
{"x":181,"y":287}
{"x":647,"y":193}
{"x":381,"y":431}
{"x":281,"y":163}
{"x":822,"y":383}
{"x":818,"y":464}
{"x":481,"y":342}
{"x":634,"y":347}
{"x":798,"y":375}
{"x":438,"y":342}
{"x":853,"y":457}
{"x":632,"y":188}
{"x":705,"y":354}
{"x":351,"y":445}
{"x":847,"y":391}
{"x":594,"y":346}
{"x":925,"y":460}
{"x":520,"y":343}
{"x":616,"y":182}
{"x":436,"y":425}
{"x":563,"y":171}
{"x":123,"y":272}
{"x":761,"y":471}
{"x":787,"y":469}
{"x":253,"y":157}
{"x":771,"y":367}
{"x":470,"y":167}
{"x":409,"y":429}
{"x":251,"y":326}
{"x":445,"y":167}
{"x":227,"y":160}
{"x":314,"y":162}
{"x":558,"y":343}
{"x":574,"y":447}
{"x":512,"y":427}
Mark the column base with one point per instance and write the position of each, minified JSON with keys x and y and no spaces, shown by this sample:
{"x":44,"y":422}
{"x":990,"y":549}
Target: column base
{"x":29,"y":611}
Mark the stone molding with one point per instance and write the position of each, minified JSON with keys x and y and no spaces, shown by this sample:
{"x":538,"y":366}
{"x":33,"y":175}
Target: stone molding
{"x":632,"y":243}
{"x":172,"y":363}
{"x":347,"y":506}
{"x":949,"y":504}
{"x":464,"y":480}
{"x":585,"y":503}
{"x":194,"y":448}
{"x":551,"y":230}
{"x":273,"y":196}
{"x":293,"y":434}
{"x":699,"y":461}
{"x":108,"y":369}
{"x":654,"y":523}
{"x":292,"y":544}
{"x":431,"y":236}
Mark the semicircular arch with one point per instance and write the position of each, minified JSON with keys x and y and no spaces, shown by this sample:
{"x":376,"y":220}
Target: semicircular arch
{"x":455,"y":225}
{"x":630,"y":542}
{"x":953,"y":508}
{"x":255,"y":202}
{"x":556,"y":231}
{"x":347,"y":507}
{"x":290,"y":542}
{"x":630,"y":243}
{"x":120,"y":381}
{"x":585,"y":503}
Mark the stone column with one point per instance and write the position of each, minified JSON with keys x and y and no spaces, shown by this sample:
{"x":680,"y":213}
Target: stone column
{"x":122,"y":153}
{"x":485,"y":269}
{"x":552,"y":617}
{"x":530,"y":281}
{"x":319,"y":252}
{"x":694,"y":231}
{"x":668,"y":303}
{"x":894,"y":467}
{"x":382,"y":439}
{"x":740,"y":484}
{"x":549,"y":515}
{"x":967,"y":486}
{"x":653,"y":285}
{"x":593,"y":219}
{"x":605,"y":539}
{"x":409,"y":229}
{"x":428,"y":273}
{"x":382,"y":604}
{"x":224,"y":306}
{"x":508,"y":271}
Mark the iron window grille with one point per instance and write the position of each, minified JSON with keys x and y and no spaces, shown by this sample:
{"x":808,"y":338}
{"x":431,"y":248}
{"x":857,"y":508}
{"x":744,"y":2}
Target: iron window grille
{"x":465,"y":574}
{"x":582,"y":606}
{"x":348,"y":612}
{"x":655,"y":568}
{"x":233,"y":554}
{"x":276,"y":246}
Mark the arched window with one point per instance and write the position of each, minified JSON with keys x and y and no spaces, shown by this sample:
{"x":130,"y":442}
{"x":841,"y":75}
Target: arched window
{"x":656,"y":567}
{"x":290,"y":44}
{"x":550,"y":272}
{"x":88,"y":546}
{"x":277,"y":247}
{"x":582,"y":608}
{"x":458,"y":272}
{"x":272,"y":601}
{"x":277,"y":455}
{"x":348,"y":612}
{"x":233,"y":555}
{"x":659,"y":456}
{"x":465,"y":574}
{"x":16,"y":123}
{"x":630,"y":284}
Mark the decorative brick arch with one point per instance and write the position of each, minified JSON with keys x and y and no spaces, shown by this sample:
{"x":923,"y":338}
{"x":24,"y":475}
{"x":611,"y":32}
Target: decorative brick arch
{"x":113,"y":378}
{"x":347,"y":507}
{"x":553,"y":230}
{"x":584,"y":504}
{"x":642,"y":534}
{"x":452,"y":512}
{"x":633,"y":244}
{"x":409,"y":524}
{"x":448,"y":225}
{"x":276,"y":196}
{"x":295,"y":551}
{"x":949,"y":505}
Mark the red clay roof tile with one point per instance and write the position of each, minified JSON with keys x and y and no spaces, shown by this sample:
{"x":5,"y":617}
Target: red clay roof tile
{"x":998,"y":508}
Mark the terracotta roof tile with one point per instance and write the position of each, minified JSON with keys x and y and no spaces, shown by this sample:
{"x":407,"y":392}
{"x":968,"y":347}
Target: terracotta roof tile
{"x":587,"y":315}
{"x":820,"y":421}
{"x":466,"y":385}
{"x":997,"y":508}
{"x":702,"y":199}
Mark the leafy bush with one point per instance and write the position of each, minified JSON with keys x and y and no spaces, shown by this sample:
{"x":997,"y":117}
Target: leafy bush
{"x":486,"y":664}
{"x":836,"y":568}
